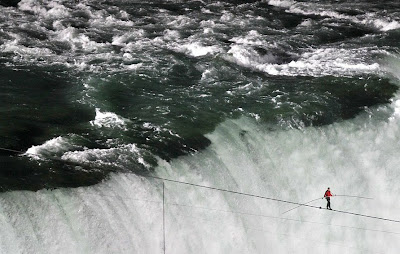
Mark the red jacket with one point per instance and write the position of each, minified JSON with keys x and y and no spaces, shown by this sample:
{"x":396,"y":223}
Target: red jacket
{"x":328,"y":193}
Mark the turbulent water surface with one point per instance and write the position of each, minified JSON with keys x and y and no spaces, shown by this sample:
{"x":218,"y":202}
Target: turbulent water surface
{"x":275,"y":98}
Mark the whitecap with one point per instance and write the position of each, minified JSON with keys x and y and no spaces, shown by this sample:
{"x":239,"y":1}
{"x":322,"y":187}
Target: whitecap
{"x":319,"y":62}
{"x":281,"y":3}
{"x":252,"y":38}
{"x":386,"y":25}
{"x":109,"y":120}
{"x":115,"y":156}
{"x":197,"y":49}
{"x":227,"y":16}
{"x":247,"y":56}
{"x":132,"y":35}
{"x":50,"y":147}
{"x":77,"y":40}
{"x":50,"y":10}
{"x":383,"y":24}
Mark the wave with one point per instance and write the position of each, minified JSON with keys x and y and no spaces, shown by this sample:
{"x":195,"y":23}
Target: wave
{"x":382,"y":23}
{"x":121,"y":157}
{"x":319,"y":62}
{"x":50,"y":148}
{"x":109,"y":120}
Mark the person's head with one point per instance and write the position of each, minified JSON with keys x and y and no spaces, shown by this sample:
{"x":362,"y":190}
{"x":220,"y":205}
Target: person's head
{"x":329,"y":188}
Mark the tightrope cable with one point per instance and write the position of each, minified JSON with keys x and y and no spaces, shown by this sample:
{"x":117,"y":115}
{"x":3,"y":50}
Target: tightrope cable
{"x":11,"y":150}
{"x":270,"y":198}
{"x":349,"y":196}
{"x":337,"y":243}
{"x":246,"y":194}
{"x":278,"y":218}
{"x":301,"y":205}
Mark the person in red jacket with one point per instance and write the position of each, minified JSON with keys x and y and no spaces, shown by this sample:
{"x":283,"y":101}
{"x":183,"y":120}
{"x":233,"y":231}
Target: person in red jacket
{"x":328,"y":196}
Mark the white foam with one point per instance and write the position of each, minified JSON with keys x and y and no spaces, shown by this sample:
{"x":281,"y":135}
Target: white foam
{"x":156,"y":128}
{"x":110,"y":21}
{"x":49,"y":148}
{"x":208,"y":30}
{"x":207,"y":23}
{"x":152,"y":127}
{"x":205,"y":10}
{"x":121,"y":156}
{"x":306,"y":23}
{"x":252,"y":38}
{"x":179,"y":22}
{"x":58,"y":25}
{"x":396,"y":113}
{"x":133,"y":35}
{"x":127,"y":56}
{"x":358,"y":67}
{"x":51,"y":9}
{"x":319,"y":62}
{"x":383,"y":24}
{"x":109,"y":120}
{"x":171,"y":35}
{"x":77,"y":40}
{"x":15,"y":47}
{"x":134,"y":66}
{"x":256,"y":116}
{"x":196,"y":49}
{"x":227,"y":17}
{"x":246,"y":56}
{"x":281,"y":3}
{"x":207,"y":74}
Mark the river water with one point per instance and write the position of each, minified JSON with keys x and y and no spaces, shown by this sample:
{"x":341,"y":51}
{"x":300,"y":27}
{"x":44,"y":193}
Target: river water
{"x":277,"y":98}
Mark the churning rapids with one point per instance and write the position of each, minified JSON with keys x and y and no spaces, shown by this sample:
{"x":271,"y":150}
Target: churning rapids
{"x":275,"y":98}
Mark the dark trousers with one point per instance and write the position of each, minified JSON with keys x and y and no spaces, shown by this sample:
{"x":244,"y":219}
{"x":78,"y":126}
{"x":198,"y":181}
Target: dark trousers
{"x":328,"y":205}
